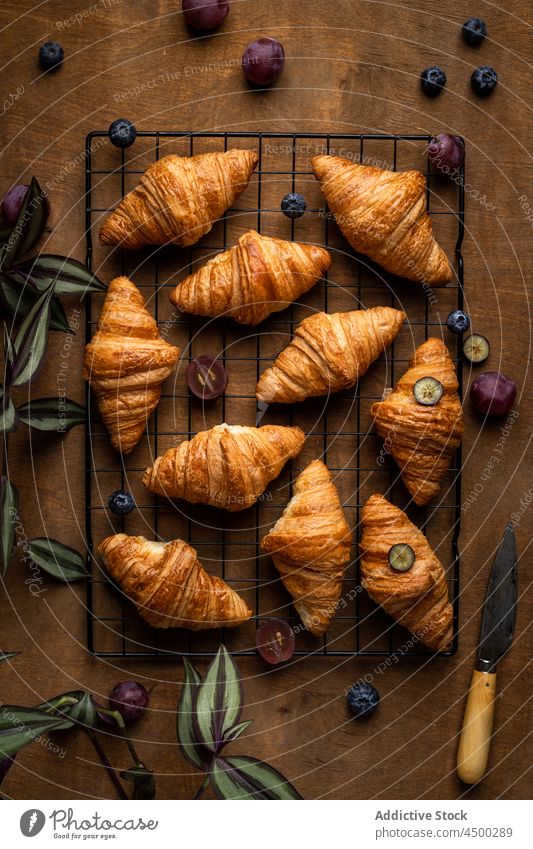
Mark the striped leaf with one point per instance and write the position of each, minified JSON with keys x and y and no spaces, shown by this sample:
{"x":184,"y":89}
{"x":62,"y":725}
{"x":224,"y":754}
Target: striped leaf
{"x":19,"y":726}
{"x":31,"y":340}
{"x":9,"y":502}
{"x":191,"y":749}
{"x":218,"y":702}
{"x":56,"y":559}
{"x":5,"y":655}
{"x":29,"y":227}
{"x":17,"y":299}
{"x":8,"y":414}
{"x":241,"y":777}
{"x":69,"y":276}
{"x":52,"y":414}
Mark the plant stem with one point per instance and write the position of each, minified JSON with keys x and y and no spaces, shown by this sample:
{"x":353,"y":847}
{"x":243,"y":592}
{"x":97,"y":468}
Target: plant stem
{"x":203,"y":786}
{"x":117,"y":716}
{"x":107,"y":766}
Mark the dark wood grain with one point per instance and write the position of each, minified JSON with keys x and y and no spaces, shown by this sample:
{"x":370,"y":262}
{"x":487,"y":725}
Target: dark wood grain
{"x":351,"y":66}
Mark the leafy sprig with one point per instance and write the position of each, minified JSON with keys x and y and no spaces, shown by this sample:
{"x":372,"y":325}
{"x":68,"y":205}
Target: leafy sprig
{"x":208,"y":718}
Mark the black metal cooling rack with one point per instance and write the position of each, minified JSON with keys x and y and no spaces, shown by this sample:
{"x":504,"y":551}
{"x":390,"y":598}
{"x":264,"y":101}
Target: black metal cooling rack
{"x":341,"y":432}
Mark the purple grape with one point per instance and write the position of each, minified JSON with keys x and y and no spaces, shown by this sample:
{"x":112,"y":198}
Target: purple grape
{"x":275,"y":640}
{"x":12,"y":204}
{"x":446,"y":152}
{"x":262,"y":61}
{"x":205,"y":14}
{"x":493,"y":394}
{"x":130,"y":699}
{"x":207,"y":378}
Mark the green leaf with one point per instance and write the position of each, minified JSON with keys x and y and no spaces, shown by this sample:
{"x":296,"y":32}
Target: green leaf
{"x":8,"y":414}
{"x":84,"y":712}
{"x":143,"y":780}
{"x":9,"y":503}
{"x":237,"y":730}
{"x":194,"y":752}
{"x":29,"y":227}
{"x":19,"y":726}
{"x":219,"y":701}
{"x":44,"y":414}
{"x":242,"y":777}
{"x":58,"y":319}
{"x":9,"y":351}
{"x":17,"y":297}
{"x":57,"y":559}
{"x":31,"y":340}
{"x":69,"y":276}
{"x":5,"y":655}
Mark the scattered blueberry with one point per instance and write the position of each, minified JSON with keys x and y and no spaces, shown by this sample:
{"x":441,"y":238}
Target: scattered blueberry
{"x":293,"y":205}
{"x":50,"y":55}
{"x":129,"y":698}
{"x":433,"y":81}
{"x":484,"y":81}
{"x":363,"y":698}
{"x":474,"y":31}
{"x":122,"y":133}
{"x":458,"y":321}
{"x":121,"y":502}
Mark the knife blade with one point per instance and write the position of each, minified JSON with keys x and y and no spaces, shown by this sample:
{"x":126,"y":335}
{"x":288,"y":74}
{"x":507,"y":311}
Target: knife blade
{"x":497,"y":627}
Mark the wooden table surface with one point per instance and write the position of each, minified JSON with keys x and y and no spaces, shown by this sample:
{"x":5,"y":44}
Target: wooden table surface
{"x":351,"y":67}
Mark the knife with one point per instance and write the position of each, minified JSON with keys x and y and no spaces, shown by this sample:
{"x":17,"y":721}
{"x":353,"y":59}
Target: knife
{"x":495,"y":639}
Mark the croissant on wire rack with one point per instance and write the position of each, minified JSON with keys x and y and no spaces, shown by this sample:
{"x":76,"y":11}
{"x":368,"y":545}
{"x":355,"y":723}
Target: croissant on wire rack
{"x":383,"y":215}
{"x":328,"y":353}
{"x":422,"y":439}
{"x":125,"y":363}
{"x":228,"y":466}
{"x":258,"y":276}
{"x":418,"y":597}
{"x":169,"y":586}
{"x":178,"y":199}
{"x":310,"y":547}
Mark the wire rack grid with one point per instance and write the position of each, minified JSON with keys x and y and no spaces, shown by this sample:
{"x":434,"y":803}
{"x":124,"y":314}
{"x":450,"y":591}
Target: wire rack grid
{"x":338,"y":429}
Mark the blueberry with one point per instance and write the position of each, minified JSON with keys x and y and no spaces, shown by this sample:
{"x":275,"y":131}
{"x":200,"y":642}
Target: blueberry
{"x":122,"y":133}
{"x":484,"y":81}
{"x":50,"y":55}
{"x":121,"y":502}
{"x":433,"y":81}
{"x":458,"y":322}
{"x":363,"y":698}
{"x":293,"y":205}
{"x":474,"y":31}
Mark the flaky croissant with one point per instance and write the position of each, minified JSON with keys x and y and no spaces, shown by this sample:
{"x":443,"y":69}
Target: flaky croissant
{"x":228,"y":466}
{"x":417,"y":598}
{"x":422,"y":439}
{"x":125,"y":363}
{"x":383,"y":215}
{"x":310,"y":546}
{"x":258,"y":276}
{"x":169,"y":586}
{"x":178,"y":199}
{"x":328,"y":353}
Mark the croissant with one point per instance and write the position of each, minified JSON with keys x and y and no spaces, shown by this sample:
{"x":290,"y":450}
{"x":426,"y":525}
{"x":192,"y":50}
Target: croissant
{"x":258,"y":276}
{"x":328,"y":353}
{"x":422,"y":439}
{"x":383,"y":215}
{"x":417,"y":598}
{"x":125,"y":363}
{"x":228,"y":466}
{"x":178,"y":199}
{"x":169,"y":586}
{"x":310,"y":546}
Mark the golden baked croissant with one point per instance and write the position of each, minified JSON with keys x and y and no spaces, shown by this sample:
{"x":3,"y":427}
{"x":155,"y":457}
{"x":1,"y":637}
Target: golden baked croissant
{"x":310,"y":546}
{"x":328,"y":353}
{"x":258,"y":276}
{"x":169,"y":586}
{"x":418,"y":597}
{"x":178,"y":199}
{"x":383,"y":215}
{"x":422,"y":439}
{"x":126,"y":362}
{"x":228,"y":466}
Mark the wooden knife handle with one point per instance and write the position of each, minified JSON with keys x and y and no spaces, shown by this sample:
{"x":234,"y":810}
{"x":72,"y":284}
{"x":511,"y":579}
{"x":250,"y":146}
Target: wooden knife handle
{"x":476,"y":733}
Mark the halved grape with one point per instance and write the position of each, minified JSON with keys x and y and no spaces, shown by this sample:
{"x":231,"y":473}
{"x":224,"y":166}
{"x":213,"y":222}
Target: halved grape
{"x":207,"y":378}
{"x":275,"y":641}
{"x":263,"y":60}
{"x":205,"y":14}
{"x":401,"y":557}
{"x":476,"y":348}
{"x":493,"y":394}
{"x":428,"y":391}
